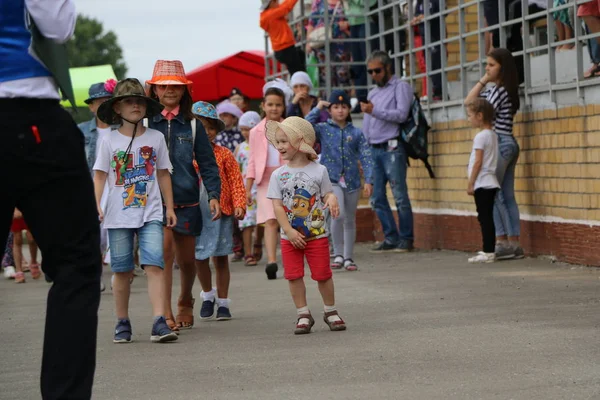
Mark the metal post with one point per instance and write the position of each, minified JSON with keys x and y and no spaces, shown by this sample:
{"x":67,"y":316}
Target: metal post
{"x":327,"y":49}
{"x":502,"y":18}
{"x":551,"y":55}
{"x":443,"y":52}
{"x":463,"y":47}
{"x":411,"y":45}
{"x":427,"y":50}
{"x":526,"y":55}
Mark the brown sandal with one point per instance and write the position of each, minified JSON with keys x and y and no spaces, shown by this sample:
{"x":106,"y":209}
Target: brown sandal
{"x":303,"y":329}
{"x":336,"y":325}
{"x":172,"y":325}
{"x":250,"y":261}
{"x":185,"y":314}
{"x":258,"y":252}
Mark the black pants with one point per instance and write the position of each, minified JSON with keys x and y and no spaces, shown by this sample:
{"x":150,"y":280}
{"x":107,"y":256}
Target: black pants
{"x":484,"y":200}
{"x":293,"y":58}
{"x":45,"y":175}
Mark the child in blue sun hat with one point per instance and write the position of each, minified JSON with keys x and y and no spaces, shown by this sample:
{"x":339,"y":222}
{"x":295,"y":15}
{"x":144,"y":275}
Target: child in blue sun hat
{"x":216,"y":239}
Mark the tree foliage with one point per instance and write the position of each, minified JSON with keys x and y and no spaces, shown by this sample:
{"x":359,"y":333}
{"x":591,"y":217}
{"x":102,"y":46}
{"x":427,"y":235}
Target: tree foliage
{"x":90,"y":46}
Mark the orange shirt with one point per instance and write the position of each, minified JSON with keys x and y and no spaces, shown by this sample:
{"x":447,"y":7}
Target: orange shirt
{"x":233,"y":191}
{"x":274,"y":21}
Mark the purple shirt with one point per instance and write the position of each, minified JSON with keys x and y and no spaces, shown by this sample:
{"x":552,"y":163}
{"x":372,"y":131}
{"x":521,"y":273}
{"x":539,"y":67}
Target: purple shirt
{"x":391,"y":105}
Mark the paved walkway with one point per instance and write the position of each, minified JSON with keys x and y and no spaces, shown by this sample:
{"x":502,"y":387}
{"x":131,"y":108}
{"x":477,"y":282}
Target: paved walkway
{"x":424,"y":325}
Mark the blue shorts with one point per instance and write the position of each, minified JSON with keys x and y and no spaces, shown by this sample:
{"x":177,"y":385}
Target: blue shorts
{"x":189,"y":220}
{"x":150,"y":238}
{"x":216,"y":239}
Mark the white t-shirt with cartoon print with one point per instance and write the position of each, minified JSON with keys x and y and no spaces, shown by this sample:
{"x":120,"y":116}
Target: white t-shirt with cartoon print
{"x":302,"y":191}
{"x":133,"y":192}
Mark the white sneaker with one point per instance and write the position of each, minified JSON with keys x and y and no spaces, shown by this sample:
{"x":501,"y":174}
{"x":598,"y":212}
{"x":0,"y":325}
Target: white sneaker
{"x":102,"y":287}
{"x":483,"y":258}
{"x":9,"y":272}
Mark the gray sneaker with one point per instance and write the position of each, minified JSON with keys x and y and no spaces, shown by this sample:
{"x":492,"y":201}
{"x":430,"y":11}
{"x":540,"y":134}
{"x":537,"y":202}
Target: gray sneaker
{"x":504,"y":252}
{"x":519,"y":253}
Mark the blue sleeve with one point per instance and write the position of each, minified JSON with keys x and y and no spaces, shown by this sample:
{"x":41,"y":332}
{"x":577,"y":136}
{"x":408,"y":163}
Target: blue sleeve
{"x":314,"y":117}
{"x":205,"y":157}
{"x":364,"y":153}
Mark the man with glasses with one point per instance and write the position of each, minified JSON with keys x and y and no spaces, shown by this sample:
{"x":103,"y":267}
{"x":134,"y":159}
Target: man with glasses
{"x":388,"y":106}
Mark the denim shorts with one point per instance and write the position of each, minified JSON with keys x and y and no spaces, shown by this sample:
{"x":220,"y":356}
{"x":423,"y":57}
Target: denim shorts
{"x":189,"y":220}
{"x":150,"y":237}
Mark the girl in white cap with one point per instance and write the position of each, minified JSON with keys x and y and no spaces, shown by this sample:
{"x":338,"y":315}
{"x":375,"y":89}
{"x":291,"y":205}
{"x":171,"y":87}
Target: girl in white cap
{"x":301,"y":192}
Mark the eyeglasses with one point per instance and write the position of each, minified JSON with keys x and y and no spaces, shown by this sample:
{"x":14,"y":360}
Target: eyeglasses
{"x":374,"y":71}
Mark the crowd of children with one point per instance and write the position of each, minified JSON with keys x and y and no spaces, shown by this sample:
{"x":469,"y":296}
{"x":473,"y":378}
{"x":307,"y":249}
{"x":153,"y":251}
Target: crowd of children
{"x":195,"y":183}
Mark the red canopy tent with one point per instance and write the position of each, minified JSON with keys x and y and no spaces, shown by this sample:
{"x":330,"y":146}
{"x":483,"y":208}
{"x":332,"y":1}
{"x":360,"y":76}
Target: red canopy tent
{"x":244,"y":70}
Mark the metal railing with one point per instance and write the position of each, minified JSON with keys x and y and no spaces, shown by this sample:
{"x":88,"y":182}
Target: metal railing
{"x":455,"y":76}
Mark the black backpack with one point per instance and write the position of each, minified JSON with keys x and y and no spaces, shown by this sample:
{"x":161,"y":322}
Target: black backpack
{"x":413,"y":134}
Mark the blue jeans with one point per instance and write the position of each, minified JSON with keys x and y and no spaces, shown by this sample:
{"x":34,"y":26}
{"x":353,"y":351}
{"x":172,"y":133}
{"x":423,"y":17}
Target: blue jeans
{"x":390,"y":166}
{"x":593,"y":48}
{"x":506,"y":210}
{"x":150,"y":237}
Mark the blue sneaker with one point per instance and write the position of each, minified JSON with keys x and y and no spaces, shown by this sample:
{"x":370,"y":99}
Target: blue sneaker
{"x":223,"y":314}
{"x":161,"y":332}
{"x":208,"y":309}
{"x":123,"y":331}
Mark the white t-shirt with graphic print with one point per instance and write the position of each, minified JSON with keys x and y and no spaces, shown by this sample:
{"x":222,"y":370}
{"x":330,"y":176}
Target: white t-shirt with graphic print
{"x":302,"y":191}
{"x":133,"y":192}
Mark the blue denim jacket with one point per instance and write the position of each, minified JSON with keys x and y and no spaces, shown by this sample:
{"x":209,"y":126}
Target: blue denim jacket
{"x":178,"y":135}
{"x":90,"y":135}
{"x":341,"y":149}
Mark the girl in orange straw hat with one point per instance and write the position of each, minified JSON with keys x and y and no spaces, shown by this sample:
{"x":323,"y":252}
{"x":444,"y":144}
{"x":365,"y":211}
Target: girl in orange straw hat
{"x":188,"y":143}
{"x":301,"y":192}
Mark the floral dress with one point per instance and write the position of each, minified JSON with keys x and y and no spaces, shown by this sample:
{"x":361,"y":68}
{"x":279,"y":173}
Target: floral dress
{"x":242,"y":155}
{"x":340,"y":52}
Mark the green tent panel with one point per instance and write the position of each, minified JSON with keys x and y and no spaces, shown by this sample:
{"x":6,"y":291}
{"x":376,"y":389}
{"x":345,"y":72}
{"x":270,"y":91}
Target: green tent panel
{"x":84,"y":77}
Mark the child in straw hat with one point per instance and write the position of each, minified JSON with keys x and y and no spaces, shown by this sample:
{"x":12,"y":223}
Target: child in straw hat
{"x":301,"y":192}
{"x":136,"y":162}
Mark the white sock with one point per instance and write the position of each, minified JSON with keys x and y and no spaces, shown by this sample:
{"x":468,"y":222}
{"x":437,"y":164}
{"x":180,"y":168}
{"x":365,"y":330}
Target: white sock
{"x":223,"y":302}
{"x":332,"y":318}
{"x":303,"y":311}
{"x":208,"y":296}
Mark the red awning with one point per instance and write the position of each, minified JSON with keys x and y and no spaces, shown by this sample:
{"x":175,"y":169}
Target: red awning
{"x":244,"y":70}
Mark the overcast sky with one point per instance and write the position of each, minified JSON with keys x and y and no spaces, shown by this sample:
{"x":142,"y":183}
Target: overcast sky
{"x":193,"y":31}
